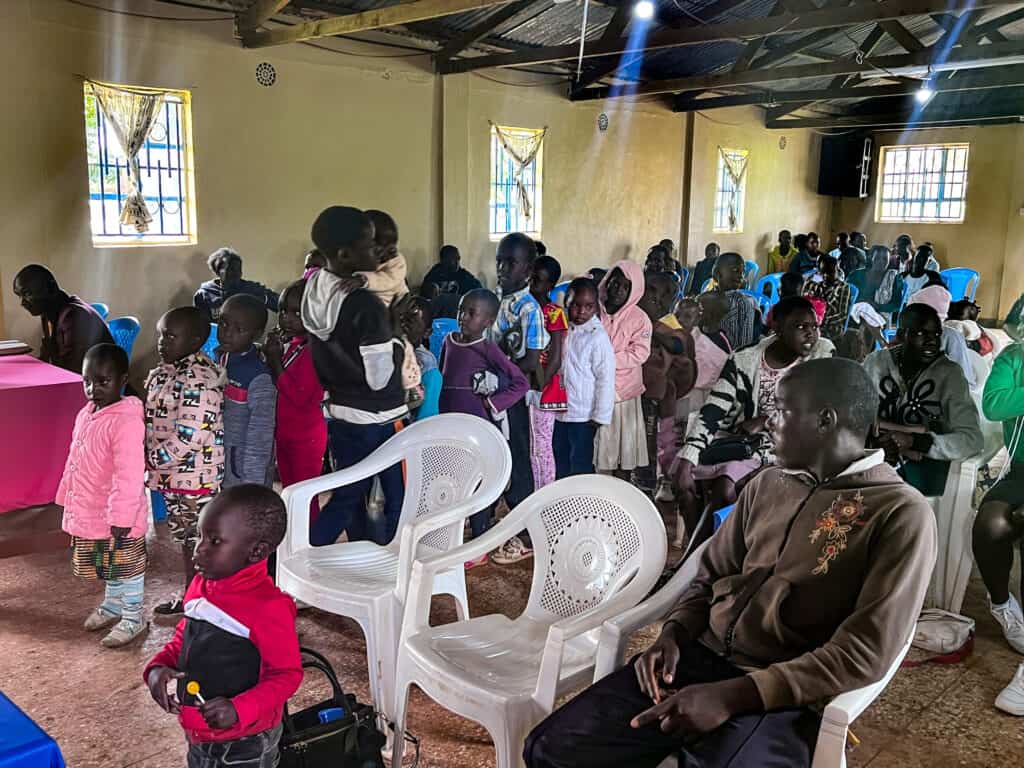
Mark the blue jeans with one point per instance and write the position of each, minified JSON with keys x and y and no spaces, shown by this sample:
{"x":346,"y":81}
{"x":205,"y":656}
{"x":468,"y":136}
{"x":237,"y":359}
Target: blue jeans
{"x":346,"y":511}
{"x":573,"y":445}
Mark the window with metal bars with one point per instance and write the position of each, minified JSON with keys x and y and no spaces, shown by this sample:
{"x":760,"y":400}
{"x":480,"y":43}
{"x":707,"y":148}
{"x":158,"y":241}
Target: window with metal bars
{"x":922,"y":183}
{"x":165,"y":162}
{"x":729,"y":196}
{"x":506,"y":214}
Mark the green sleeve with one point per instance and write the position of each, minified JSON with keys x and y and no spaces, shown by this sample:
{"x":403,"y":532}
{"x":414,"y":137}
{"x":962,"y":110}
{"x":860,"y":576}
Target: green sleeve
{"x":1004,"y":389}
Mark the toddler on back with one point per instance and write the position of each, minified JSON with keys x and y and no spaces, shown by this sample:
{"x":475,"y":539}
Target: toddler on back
{"x":478,"y":378}
{"x":588,"y":375}
{"x":103,"y":493}
{"x":184,"y":430}
{"x":621,"y":445}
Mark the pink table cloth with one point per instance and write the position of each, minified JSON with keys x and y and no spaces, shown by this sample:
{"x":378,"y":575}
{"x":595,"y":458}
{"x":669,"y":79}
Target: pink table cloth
{"x":38,"y":405}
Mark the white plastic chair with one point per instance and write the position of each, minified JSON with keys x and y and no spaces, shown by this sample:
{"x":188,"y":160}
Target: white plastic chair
{"x":830,"y":751}
{"x":599,"y":546}
{"x":455,"y":465}
{"x":954,"y":518}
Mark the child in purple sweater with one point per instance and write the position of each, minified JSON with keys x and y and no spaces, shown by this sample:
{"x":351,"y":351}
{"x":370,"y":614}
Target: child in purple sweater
{"x":478,"y":378}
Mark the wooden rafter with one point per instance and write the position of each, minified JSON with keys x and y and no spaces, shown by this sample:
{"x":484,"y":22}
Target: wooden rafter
{"x":902,"y":35}
{"x":865,"y":49}
{"x":611,"y":64}
{"x":258,"y":12}
{"x":388,"y":16}
{"x":996,"y":77}
{"x":992,"y":53}
{"x":735,"y":30}
{"x":465,"y":39}
{"x":929,"y":116}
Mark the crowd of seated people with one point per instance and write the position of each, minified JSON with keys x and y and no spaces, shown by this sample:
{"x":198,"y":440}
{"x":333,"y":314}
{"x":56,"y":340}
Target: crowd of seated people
{"x":682,"y":386}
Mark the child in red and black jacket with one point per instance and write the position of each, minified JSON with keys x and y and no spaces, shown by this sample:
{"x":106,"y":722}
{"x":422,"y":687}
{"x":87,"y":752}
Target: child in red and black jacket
{"x":237,"y":640}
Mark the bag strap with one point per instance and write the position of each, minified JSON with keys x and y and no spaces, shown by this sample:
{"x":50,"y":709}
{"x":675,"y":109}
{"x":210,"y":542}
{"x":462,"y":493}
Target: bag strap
{"x":315,"y":661}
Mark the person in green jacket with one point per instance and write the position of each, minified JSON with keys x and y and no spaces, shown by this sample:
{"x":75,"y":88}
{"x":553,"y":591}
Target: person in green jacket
{"x":1000,"y":521}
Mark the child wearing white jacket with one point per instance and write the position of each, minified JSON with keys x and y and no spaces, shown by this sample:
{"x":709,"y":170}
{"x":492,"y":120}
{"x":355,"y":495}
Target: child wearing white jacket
{"x":588,"y":375}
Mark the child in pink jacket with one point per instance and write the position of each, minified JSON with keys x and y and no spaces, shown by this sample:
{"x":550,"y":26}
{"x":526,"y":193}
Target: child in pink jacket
{"x":103,"y":492}
{"x":622,"y":445}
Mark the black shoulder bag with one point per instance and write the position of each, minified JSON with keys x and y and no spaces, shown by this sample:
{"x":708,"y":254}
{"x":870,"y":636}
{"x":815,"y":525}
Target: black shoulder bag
{"x":352,"y":740}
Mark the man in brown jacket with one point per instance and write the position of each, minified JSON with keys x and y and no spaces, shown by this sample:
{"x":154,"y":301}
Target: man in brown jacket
{"x":810,"y":588}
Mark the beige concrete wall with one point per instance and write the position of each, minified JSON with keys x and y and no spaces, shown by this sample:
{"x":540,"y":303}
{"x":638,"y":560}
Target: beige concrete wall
{"x":373,"y":132}
{"x":990,"y":237}
{"x":780,"y":183}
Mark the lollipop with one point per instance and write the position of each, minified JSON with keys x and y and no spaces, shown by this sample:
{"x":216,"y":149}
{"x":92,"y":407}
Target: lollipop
{"x":192,"y":689}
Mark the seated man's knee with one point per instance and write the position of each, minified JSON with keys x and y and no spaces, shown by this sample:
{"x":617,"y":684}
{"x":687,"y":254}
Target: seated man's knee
{"x":541,"y":749}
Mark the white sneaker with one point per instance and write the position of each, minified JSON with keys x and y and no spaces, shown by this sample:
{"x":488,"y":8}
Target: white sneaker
{"x":100,"y":619}
{"x":512,"y":551}
{"x":1011,"y":698}
{"x":1011,"y":620}
{"x":124,"y":632}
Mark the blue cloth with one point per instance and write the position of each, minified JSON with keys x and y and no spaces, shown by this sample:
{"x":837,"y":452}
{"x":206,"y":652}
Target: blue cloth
{"x":23,"y":744}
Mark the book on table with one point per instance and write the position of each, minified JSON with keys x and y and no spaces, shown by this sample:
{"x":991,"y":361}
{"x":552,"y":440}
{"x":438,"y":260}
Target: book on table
{"x":14,"y":347}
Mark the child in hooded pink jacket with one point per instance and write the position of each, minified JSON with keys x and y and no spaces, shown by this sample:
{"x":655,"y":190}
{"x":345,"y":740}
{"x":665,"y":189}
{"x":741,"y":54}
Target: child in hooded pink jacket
{"x":622,"y":445}
{"x":103,"y":493}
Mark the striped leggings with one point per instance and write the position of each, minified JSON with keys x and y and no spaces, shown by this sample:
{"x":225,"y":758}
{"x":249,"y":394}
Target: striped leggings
{"x":123,"y":597}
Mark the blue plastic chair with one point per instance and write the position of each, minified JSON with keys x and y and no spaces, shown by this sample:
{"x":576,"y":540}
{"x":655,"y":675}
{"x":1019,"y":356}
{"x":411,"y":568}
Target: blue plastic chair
{"x":684,"y":278}
{"x":763,"y":302}
{"x":774,"y":282}
{"x":961,"y":282}
{"x":704,"y":285}
{"x":854,"y":292}
{"x":101,"y":309}
{"x":125,"y":330}
{"x":751,"y":272}
{"x":439,"y":329}
{"x":721,"y":514}
{"x":210,"y":347}
{"x":557,"y":294}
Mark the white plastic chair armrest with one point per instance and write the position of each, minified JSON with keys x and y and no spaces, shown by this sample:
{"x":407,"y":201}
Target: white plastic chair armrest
{"x":411,"y":534}
{"x":421,"y":580}
{"x":616,"y":630}
{"x":300,"y":496}
{"x":848,"y":706}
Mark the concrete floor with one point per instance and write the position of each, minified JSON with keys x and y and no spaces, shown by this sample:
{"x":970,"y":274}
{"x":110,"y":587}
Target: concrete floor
{"x":94,"y":703}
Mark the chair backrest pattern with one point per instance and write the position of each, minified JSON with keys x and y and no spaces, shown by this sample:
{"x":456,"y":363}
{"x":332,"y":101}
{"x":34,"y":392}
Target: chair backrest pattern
{"x":124,"y":330}
{"x":446,"y":475}
{"x":591,"y":547}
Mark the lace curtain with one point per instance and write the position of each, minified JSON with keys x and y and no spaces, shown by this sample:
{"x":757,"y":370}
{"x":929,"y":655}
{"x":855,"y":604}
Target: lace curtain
{"x":736,"y":167}
{"x":523,"y":148}
{"x":131,"y":113}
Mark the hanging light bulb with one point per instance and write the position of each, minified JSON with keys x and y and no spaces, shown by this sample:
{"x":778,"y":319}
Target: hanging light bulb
{"x":644,"y":10}
{"x":924,"y":94}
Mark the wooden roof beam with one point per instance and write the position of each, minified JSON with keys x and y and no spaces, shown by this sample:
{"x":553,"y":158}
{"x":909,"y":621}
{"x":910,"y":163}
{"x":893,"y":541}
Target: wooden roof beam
{"x":997,"y":77}
{"x":992,"y":53}
{"x":465,"y":39}
{"x":388,"y":16}
{"x":736,"y":30}
{"x":914,"y":117}
{"x":258,"y":13}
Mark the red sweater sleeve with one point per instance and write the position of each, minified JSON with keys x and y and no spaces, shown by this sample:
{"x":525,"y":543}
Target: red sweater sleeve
{"x":281,"y":667}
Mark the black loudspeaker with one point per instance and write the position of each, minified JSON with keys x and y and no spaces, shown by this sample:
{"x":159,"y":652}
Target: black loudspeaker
{"x":845,"y":166}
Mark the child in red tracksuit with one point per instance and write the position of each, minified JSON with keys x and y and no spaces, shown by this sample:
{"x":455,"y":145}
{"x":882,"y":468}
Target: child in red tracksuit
{"x":237,"y":641}
{"x":300,"y":438}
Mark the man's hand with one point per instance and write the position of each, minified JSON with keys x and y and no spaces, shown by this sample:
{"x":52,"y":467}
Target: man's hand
{"x":682,"y":472}
{"x":119,"y":531}
{"x":658,"y":663}
{"x":157,"y":680}
{"x":273,"y":349}
{"x":699,"y":709}
{"x":219,"y":713}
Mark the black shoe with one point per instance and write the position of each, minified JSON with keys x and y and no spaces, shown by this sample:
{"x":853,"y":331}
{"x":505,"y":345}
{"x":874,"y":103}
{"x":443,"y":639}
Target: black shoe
{"x":173,"y":608}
